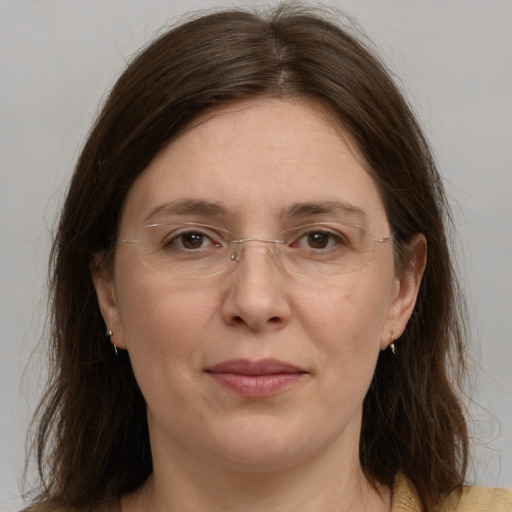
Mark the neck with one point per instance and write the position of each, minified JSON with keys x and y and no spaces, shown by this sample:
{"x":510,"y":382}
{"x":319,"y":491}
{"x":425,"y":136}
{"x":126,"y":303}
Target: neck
{"x":309,"y":487}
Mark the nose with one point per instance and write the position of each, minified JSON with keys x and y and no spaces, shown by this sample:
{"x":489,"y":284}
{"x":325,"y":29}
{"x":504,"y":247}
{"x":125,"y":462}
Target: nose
{"x":257,"y":293}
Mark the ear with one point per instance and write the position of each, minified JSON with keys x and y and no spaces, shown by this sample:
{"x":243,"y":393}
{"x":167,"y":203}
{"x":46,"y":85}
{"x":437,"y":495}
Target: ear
{"x":103,"y":280}
{"x":407,"y":285}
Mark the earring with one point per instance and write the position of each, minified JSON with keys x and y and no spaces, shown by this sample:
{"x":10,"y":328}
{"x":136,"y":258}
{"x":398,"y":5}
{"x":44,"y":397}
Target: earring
{"x":391,"y":344}
{"x":109,"y":334}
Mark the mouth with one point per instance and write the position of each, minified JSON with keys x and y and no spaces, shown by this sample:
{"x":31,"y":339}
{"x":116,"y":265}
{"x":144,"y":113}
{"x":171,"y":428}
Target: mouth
{"x":256,"y":379}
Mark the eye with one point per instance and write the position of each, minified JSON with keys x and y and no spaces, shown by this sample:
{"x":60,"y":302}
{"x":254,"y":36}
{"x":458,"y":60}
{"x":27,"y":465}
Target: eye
{"x":318,"y":240}
{"x":192,"y":240}
{"x":189,"y":241}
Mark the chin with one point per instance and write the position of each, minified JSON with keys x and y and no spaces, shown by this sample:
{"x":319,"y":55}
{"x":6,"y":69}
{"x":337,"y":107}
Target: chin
{"x":265,"y":445}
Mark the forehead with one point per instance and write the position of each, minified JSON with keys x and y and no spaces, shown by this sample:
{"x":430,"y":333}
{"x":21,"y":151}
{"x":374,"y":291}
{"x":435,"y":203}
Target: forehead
{"x":256,"y":160}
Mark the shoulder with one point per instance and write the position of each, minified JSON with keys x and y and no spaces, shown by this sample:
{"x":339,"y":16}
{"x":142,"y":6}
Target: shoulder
{"x":467,"y":499}
{"x":478,"y":499}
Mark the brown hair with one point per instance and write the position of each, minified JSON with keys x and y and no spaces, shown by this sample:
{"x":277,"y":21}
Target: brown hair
{"x":92,"y":441}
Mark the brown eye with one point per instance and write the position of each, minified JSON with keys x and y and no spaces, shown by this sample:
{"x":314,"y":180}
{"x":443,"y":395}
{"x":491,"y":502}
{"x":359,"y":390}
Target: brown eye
{"x":191,"y":240}
{"x":318,"y":240}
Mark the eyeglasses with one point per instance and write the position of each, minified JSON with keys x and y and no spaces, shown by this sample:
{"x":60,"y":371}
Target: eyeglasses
{"x":191,"y":250}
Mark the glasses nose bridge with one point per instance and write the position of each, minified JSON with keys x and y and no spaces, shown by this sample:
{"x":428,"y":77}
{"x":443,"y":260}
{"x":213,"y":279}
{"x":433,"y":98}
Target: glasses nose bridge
{"x":239,"y":246}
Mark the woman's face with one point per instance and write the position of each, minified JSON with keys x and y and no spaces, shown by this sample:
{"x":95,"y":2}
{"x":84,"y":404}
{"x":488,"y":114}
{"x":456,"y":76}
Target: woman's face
{"x":255,"y":368}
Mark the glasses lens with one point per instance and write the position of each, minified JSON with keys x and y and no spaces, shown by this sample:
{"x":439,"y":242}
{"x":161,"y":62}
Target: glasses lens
{"x":327,"y":249}
{"x":188,"y":250}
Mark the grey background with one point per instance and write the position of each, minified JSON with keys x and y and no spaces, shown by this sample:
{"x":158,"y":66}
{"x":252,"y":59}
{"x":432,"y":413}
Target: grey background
{"x":454,"y":59}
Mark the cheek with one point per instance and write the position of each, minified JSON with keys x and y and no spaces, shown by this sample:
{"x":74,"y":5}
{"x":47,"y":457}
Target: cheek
{"x":353,"y":309}
{"x":344,"y":325}
{"x":164,"y":324}
{"x":164,"y":329}
{"x":346,"y":318}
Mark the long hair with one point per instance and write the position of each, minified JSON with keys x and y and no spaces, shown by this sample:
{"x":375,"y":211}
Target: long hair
{"x":92,"y":442}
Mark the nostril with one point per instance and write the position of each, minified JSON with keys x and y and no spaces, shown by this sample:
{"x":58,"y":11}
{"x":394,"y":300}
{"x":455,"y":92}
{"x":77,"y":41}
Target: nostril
{"x":239,"y":320}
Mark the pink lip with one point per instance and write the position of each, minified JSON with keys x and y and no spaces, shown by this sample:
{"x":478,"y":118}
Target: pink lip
{"x":256,"y":379}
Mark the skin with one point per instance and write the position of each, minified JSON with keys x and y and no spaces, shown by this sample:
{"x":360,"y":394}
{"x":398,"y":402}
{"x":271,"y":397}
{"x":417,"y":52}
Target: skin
{"x":297,"y":449}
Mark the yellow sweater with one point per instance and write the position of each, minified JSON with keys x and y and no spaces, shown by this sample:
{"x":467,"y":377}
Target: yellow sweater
{"x":469,"y":499}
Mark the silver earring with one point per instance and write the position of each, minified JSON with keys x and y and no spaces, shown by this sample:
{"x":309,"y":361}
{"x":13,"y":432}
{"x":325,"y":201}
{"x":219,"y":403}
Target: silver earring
{"x":109,"y":334}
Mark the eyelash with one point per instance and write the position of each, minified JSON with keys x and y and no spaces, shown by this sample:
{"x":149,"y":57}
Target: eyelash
{"x":334,"y":239}
{"x":171,"y":241}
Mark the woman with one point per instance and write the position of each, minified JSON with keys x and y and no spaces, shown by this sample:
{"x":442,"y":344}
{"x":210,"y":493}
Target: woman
{"x":257,"y":227}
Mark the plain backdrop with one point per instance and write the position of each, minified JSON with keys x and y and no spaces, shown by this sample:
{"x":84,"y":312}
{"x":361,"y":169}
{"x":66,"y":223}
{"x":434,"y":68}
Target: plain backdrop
{"x":454,"y":60}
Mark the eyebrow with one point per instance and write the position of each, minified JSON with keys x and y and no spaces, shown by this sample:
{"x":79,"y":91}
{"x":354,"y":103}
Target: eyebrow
{"x":339,"y":208}
{"x":188,"y":207}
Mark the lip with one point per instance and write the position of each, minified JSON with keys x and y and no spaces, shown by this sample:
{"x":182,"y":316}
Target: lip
{"x":256,"y":379}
